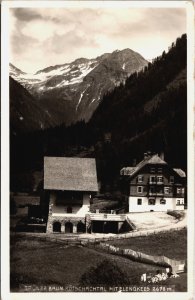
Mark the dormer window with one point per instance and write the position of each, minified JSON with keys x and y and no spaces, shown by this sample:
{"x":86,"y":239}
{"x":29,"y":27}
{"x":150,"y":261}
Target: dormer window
{"x":159,"y":170}
{"x":171,"y":179}
{"x":140,"y":178}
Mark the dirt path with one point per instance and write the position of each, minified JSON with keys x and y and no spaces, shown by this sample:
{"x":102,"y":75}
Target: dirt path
{"x":174,"y":224}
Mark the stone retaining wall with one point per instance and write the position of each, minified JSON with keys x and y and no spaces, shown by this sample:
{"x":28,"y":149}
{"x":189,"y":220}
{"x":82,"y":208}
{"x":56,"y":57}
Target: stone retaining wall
{"x":163,"y":261}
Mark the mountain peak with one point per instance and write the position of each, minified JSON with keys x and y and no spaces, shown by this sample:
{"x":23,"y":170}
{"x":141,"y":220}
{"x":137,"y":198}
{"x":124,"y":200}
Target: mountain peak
{"x":81,"y":60}
{"x":73,"y":91}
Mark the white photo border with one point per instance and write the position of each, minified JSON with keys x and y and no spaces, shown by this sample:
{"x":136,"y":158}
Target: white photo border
{"x":5,"y":288}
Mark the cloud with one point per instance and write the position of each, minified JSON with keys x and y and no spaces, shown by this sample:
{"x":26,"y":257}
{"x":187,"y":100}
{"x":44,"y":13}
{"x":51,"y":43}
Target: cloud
{"x":65,"y":34}
{"x":23,"y":14}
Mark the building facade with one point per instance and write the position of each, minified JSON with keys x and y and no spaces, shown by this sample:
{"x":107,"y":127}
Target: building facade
{"x":152,"y":185}
{"x":70,"y":182}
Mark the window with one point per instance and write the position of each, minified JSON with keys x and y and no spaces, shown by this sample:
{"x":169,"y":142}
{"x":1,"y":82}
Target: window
{"x":171,"y":179}
{"x":152,"y":190}
{"x":139,"y":201}
{"x":159,"y":170}
{"x":162,"y":201}
{"x":140,"y":178}
{"x":180,"y":202}
{"x":151,"y":202}
{"x":180,"y":190}
{"x":159,"y":190}
{"x":159,"y":179}
{"x":152,"y":179}
{"x":140,"y":189}
{"x":167,"y":190}
{"x":152,"y":170}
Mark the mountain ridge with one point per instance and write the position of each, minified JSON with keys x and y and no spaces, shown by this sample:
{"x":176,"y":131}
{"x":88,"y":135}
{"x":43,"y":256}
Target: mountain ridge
{"x":146,"y":113}
{"x":77,"y":88}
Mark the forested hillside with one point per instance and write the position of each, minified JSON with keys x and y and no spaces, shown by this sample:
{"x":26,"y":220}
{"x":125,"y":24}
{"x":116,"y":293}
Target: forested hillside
{"x":148,"y":112}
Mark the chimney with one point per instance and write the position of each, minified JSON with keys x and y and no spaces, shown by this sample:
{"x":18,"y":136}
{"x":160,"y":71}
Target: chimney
{"x":162,"y":156}
{"x":134,"y":162}
{"x":145,"y":155}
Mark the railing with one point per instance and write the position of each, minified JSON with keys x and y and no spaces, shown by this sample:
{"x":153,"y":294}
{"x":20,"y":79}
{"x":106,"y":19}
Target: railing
{"x":155,"y":193}
{"x":108,"y":217}
{"x":152,"y":182}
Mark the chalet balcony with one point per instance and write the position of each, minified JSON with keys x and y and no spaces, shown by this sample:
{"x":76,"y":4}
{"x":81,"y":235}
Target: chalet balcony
{"x":155,"y":193}
{"x":152,"y":182}
{"x":156,"y":182}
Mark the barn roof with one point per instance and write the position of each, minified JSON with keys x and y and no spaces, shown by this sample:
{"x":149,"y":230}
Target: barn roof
{"x":70,"y":173}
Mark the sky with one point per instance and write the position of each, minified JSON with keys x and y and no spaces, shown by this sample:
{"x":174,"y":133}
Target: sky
{"x":42,"y":37}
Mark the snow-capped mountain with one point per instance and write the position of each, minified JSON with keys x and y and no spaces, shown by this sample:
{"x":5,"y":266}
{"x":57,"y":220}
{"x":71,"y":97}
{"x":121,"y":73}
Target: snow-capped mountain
{"x":73,"y":91}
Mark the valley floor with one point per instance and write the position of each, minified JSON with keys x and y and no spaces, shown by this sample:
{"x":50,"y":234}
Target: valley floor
{"x":36,"y":262}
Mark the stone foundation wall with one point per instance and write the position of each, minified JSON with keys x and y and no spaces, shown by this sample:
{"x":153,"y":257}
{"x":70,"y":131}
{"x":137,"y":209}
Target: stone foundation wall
{"x":63,"y":221}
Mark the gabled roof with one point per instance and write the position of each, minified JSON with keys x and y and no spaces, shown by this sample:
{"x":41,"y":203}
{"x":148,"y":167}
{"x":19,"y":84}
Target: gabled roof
{"x":180,"y":172}
{"x":127,"y":170}
{"x":154,"y":159}
{"x":70,"y":173}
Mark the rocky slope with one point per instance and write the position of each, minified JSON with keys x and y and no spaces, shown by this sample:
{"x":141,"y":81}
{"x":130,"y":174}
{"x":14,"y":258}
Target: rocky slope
{"x":72,"y":91}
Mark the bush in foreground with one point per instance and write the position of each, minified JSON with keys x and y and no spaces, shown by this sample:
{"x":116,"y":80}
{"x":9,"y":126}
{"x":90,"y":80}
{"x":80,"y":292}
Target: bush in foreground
{"x":106,"y":273}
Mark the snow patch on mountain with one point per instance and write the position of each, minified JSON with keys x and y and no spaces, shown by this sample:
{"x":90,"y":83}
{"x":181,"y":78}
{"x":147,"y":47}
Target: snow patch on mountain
{"x":81,"y":96}
{"x":70,"y":74}
{"x":76,"y":89}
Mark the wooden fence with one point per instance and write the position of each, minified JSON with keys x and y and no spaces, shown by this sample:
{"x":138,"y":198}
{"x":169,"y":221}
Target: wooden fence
{"x":79,"y":239}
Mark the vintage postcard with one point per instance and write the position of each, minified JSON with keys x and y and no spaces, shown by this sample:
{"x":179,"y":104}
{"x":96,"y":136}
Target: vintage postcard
{"x":97,"y":149}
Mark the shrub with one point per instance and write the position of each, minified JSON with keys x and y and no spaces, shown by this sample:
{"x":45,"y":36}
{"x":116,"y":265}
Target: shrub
{"x":106,"y":273}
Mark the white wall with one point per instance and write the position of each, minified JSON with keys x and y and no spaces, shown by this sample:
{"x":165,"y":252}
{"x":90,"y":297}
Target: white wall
{"x":170,"y":205}
{"x":79,"y":211}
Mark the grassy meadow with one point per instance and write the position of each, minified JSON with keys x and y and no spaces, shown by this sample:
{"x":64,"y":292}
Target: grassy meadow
{"x":172,"y":244}
{"x":46,"y":262}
